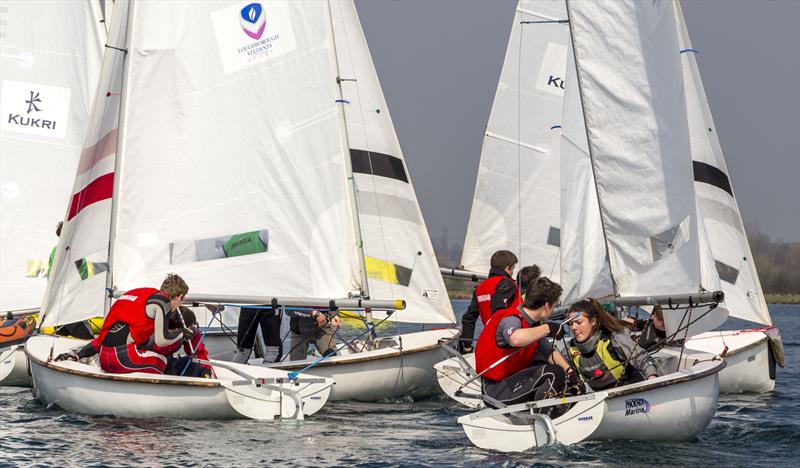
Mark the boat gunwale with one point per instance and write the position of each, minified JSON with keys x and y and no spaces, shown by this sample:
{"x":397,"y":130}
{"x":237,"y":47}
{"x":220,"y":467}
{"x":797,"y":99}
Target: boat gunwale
{"x":622,"y":391}
{"x":326,"y":363}
{"x":743,"y":348}
{"x":120,"y":377}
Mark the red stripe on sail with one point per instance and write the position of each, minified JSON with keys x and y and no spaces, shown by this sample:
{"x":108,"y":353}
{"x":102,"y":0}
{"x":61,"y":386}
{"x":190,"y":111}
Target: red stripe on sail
{"x":99,"y":189}
{"x":104,"y":147}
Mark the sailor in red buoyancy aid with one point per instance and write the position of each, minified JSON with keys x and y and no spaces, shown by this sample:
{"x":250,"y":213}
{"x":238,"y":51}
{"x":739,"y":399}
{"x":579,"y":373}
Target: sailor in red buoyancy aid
{"x":135,"y":328}
{"x":513,"y":356}
{"x":497,"y":292}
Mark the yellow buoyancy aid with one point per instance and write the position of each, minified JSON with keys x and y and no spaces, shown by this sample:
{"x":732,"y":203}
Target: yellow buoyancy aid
{"x":611,"y":363}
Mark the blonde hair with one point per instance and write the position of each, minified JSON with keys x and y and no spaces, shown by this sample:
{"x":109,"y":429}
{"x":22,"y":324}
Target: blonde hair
{"x":174,"y":286}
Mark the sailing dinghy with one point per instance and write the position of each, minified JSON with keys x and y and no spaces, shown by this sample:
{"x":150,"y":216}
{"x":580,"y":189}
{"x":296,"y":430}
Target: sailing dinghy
{"x":201,"y":128}
{"x":49,"y":66}
{"x":614,"y":121}
{"x":393,"y":253}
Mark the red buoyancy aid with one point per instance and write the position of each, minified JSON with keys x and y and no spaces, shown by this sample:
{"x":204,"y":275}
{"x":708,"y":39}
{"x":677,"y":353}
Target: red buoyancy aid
{"x":130,"y":309}
{"x":487,"y":352}
{"x":484,"y":293}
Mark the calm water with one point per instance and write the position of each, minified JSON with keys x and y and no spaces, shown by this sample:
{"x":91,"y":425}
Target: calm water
{"x":747,"y":430}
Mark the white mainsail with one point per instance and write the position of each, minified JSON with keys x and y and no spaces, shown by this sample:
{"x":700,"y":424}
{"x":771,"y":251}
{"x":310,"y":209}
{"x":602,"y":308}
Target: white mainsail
{"x":233,"y":178}
{"x":50,"y":53}
{"x":398,"y":256}
{"x":516,"y":205}
{"x":631,"y":89}
{"x":717,"y":205}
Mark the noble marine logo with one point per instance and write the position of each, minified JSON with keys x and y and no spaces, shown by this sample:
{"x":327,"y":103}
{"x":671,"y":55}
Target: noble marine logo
{"x":636,"y":406}
{"x":253,"y":20}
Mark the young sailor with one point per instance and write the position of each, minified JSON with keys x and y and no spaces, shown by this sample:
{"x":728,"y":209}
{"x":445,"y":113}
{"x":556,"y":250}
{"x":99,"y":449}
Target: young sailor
{"x":180,"y":319}
{"x":136,"y":325}
{"x":498,"y":291}
{"x":313,"y":326}
{"x":526,"y":276}
{"x":603,"y":350}
{"x":653,"y":331}
{"x":513,"y":355}
{"x":250,"y":320}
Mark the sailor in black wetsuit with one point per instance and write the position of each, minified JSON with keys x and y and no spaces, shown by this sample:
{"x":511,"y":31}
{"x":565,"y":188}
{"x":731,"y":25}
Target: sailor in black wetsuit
{"x":652,"y":330}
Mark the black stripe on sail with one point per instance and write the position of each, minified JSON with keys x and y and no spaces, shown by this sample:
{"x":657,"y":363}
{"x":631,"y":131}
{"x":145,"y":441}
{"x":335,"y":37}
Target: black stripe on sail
{"x":709,"y":174}
{"x":726,"y":272}
{"x":369,"y":162}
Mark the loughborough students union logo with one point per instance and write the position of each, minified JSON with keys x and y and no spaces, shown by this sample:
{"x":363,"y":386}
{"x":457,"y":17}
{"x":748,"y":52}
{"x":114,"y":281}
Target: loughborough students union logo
{"x":253,"y":20}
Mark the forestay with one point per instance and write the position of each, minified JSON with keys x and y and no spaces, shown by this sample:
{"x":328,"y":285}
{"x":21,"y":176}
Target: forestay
{"x":398,"y":256}
{"x":718,"y":209}
{"x":516,"y":204}
{"x":231,"y":159}
{"x":50,"y":53}
{"x":631,"y":90}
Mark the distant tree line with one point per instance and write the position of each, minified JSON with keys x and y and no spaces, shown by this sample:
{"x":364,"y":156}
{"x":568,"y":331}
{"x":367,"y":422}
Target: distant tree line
{"x":777,"y":262}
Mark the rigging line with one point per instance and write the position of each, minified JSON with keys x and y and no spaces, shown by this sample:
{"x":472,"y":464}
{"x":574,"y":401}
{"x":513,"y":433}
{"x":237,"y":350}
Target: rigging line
{"x":519,"y":145}
{"x":544,"y":21}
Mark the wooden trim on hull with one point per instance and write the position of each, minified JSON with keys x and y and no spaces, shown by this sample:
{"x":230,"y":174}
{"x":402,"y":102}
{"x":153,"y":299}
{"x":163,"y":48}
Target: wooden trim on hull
{"x":622,"y":391}
{"x":120,"y":377}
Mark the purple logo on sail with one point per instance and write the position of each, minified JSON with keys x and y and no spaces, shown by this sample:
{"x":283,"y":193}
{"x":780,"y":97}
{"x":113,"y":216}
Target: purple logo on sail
{"x":253,"y":20}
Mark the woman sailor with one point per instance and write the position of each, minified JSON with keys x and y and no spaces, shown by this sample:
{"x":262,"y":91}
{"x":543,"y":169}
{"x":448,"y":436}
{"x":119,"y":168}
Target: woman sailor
{"x":602,"y":349}
{"x":136,"y":326}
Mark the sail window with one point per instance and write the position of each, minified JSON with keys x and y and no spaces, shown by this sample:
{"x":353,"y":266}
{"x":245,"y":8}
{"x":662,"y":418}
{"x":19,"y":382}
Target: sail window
{"x":726,"y":272}
{"x":669,"y":241}
{"x":369,"y":162}
{"x":554,"y":236}
{"x":709,"y":174}
{"x":233,"y":245}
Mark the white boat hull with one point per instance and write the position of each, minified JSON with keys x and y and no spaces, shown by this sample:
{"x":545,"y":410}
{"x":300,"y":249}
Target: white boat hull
{"x":14,"y":367}
{"x":83,"y":388}
{"x":402,"y":370}
{"x":675,"y":407}
{"x":457,"y":380}
{"x":749,"y":366}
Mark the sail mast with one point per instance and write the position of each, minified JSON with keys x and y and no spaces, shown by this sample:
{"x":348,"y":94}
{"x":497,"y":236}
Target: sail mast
{"x":118,"y":152}
{"x":589,"y":148}
{"x":348,"y":164}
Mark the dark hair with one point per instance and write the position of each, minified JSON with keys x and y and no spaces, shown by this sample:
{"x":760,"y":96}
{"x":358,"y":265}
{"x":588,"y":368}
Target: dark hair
{"x":58,"y":228}
{"x":527,"y":275}
{"x":502,"y":259}
{"x":593,"y":309}
{"x":540,"y":292}
{"x":188,"y":318}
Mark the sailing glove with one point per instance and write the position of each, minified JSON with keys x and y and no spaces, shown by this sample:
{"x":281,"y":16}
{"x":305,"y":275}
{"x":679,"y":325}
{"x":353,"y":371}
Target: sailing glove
{"x":555,"y":330}
{"x":68,"y":356}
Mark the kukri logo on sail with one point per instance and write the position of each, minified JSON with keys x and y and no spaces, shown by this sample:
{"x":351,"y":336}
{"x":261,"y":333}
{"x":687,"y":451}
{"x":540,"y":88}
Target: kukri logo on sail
{"x":34,"y":109}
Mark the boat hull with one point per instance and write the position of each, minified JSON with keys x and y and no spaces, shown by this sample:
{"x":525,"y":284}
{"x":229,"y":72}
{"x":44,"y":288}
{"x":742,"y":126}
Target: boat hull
{"x":83,"y":388}
{"x":750,"y":368}
{"x":402,"y":370}
{"x":673,"y":408}
{"x":14,"y":367}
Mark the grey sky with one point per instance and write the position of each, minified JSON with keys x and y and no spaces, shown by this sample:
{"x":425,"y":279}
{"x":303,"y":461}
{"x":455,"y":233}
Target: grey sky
{"x":439,"y":61}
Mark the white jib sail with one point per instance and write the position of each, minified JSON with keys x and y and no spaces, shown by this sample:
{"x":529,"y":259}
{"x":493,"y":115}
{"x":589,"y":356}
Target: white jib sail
{"x":398,"y":255}
{"x":50,"y":53}
{"x":733,"y":260}
{"x":231,"y":168}
{"x":584,"y":263}
{"x":632,"y":93}
{"x":516,"y":205}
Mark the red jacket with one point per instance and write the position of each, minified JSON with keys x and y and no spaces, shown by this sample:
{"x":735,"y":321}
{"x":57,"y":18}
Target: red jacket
{"x":484,"y":293}
{"x":130,"y":309}
{"x":487,"y":352}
